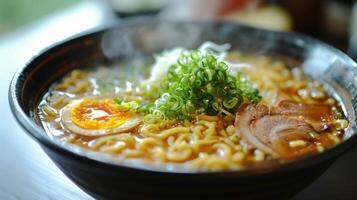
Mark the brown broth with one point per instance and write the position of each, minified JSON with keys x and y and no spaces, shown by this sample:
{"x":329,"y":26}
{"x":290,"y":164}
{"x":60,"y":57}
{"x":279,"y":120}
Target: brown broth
{"x":219,"y":148}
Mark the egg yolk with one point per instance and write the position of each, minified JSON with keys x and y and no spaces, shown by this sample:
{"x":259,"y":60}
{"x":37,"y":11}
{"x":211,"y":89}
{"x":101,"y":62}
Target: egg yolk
{"x":98,"y":114}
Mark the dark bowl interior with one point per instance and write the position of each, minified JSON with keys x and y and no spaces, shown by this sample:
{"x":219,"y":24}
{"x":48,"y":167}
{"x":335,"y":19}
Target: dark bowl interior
{"x":142,"y":37}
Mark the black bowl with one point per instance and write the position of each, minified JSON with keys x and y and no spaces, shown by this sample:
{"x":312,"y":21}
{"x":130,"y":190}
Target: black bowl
{"x":137,"y":38}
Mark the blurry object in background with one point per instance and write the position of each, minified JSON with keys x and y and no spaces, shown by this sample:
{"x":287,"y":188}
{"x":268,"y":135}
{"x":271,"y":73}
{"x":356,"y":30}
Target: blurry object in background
{"x":306,"y":14}
{"x":14,"y":13}
{"x":336,"y":22}
{"x":352,"y":49}
{"x":234,"y":5}
{"x":191,"y":9}
{"x":129,"y":8}
{"x":327,"y":20}
{"x":250,"y":12}
{"x":336,"y":18}
{"x":268,"y":17}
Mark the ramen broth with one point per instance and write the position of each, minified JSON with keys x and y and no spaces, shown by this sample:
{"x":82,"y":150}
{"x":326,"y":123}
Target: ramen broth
{"x":120,"y":111}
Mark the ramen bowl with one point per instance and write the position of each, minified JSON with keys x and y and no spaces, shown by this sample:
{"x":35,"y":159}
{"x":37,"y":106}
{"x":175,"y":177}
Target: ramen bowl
{"x":106,"y":180}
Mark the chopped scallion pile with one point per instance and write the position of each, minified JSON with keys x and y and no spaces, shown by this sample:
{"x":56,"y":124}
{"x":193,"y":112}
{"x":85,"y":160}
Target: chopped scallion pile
{"x":198,"y":83}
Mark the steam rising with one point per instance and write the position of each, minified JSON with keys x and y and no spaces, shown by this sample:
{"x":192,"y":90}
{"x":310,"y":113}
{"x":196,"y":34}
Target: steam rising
{"x":152,"y":37}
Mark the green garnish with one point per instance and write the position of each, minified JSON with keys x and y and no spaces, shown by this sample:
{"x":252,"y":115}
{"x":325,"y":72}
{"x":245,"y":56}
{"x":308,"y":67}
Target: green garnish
{"x":199,"y":83}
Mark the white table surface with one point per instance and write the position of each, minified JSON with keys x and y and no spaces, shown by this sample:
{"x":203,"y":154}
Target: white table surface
{"x":26,"y":172}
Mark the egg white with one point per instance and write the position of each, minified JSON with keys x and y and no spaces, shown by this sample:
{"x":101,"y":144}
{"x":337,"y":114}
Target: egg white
{"x":68,"y":124}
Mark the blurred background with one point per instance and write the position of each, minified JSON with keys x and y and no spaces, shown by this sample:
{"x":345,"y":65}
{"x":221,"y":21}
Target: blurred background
{"x":29,"y":26}
{"x":333,"y":21}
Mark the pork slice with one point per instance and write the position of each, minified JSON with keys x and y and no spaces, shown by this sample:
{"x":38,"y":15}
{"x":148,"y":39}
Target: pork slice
{"x":244,"y":118}
{"x":276,"y":131}
{"x":318,"y":116}
{"x":269,"y":132}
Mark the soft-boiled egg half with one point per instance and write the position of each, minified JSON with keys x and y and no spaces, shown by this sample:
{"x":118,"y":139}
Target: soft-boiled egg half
{"x":96,"y":117}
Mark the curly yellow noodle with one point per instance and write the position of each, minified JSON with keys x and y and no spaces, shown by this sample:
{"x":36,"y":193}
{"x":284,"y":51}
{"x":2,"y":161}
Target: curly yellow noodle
{"x":207,"y":118}
{"x":60,"y":102}
{"x":238,"y":157}
{"x":81,"y":87}
{"x":181,"y":138}
{"x":226,"y":150}
{"x":197,"y":132}
{"x":230,"y":130}
{"x":158,"y":153}
{"x":133,"y":153}
{"x":147,"y":143}
{"x":113,"y":143}
{"x":179,"y":152}
{"x":223,"y":133}
{"x":49,"y":111}
{"x":229,"y":142}
{"x":149,"y":131}
{"x":211,"y":128}
{"x":179,"y":156}
{"x":170,"y":140}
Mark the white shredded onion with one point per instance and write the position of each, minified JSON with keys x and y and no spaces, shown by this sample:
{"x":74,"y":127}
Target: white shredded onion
{"x":164,"y":60}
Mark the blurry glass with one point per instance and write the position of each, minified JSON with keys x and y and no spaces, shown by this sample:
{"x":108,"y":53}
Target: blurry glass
{"x":127,"y":8}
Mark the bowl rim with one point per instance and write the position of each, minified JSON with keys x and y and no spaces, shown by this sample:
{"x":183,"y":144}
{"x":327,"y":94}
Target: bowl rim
{"x":38,"y":133}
